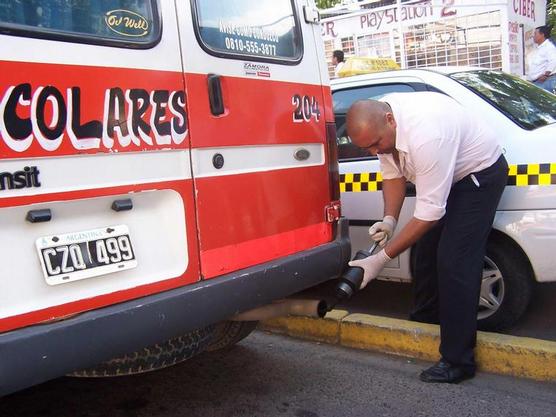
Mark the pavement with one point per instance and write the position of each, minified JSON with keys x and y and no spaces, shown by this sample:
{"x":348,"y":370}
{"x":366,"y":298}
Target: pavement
{"x":374,"y":320}
{"x":274,"y":376}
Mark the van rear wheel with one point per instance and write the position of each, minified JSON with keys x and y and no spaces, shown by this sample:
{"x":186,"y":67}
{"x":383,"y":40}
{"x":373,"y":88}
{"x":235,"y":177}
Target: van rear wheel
{"x":152,"y":358}
{"x":228,"y":333}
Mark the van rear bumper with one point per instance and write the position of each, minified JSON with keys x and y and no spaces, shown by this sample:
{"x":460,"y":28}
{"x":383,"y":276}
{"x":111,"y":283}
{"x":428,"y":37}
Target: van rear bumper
{"x":38,"y":353}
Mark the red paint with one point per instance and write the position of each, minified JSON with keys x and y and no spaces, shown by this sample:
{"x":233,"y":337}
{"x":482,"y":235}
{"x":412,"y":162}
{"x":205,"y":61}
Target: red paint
{"x":240,"y":220}
{"x":240,"y":216}
{"x":225,"y":259}
{"x":93,"y":84}
{"x":257,"y":112}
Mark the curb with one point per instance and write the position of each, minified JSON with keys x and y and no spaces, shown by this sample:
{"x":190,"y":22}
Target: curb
{"x":495,"y":353}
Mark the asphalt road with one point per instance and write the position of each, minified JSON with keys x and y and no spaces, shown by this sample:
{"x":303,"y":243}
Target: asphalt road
{"x":269,"y":375}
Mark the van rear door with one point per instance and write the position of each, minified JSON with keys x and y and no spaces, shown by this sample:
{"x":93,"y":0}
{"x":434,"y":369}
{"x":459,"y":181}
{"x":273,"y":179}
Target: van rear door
{"x":92,"y":117}
{"x":257,"y":131}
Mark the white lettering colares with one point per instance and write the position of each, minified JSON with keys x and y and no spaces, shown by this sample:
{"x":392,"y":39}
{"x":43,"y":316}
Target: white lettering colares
{"x":48,"y":116}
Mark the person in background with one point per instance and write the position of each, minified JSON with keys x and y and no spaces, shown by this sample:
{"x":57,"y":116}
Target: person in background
{"x":542,"y":62}
{"x":337,"y":61}
{"x":459,"y":172}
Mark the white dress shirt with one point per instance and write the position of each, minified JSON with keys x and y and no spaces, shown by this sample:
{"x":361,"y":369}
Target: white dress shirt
{"x":542,"y":60}
{"x":338,"y":67}
{"x":439,"y":142}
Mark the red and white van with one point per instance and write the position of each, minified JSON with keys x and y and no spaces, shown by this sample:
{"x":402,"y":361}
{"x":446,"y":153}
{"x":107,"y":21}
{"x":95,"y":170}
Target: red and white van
{"x":164,"y":165}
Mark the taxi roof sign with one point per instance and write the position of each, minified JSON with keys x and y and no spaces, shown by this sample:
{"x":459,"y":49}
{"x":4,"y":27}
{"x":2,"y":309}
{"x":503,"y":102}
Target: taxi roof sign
{"x":365,"y":65}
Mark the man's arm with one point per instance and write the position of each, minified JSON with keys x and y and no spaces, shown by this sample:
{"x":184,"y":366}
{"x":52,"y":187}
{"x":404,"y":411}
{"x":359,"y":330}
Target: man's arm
{"x":393,"y":192}
{"x":408,"y":236}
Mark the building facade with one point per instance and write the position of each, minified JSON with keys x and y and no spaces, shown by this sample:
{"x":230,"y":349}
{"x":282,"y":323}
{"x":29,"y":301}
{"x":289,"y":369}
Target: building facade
{"x":496,"y":34}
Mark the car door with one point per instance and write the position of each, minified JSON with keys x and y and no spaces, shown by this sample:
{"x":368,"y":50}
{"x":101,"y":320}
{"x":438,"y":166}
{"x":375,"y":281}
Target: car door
{"x":91,"y":108}
{"x":255,"y":101}
{"x":360,"y":177}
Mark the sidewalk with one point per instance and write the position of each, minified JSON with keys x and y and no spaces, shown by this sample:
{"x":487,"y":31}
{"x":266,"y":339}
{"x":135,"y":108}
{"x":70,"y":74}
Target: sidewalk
{"x":496,"y":353}
{"x":374,"y":319}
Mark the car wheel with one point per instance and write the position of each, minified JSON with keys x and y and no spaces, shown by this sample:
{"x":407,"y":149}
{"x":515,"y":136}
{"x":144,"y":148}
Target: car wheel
{"x":229,"y":333}
{"x":154,"y":357}
{"x":506,"y":286}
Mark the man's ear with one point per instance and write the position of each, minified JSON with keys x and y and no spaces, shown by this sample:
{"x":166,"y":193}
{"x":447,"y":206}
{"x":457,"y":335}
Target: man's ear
{"x":390,"y":119}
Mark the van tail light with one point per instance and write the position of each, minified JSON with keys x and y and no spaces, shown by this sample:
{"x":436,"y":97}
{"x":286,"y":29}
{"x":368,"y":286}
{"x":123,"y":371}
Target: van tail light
{"x":333,"y":169}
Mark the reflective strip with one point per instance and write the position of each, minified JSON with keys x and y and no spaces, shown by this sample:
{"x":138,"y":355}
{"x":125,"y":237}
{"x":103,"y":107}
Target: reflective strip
{"x":521,"y":175}
{"x":85,"y":172}
{"x":365,"y":181}
{"x":247,"y":159}
{"x":532,"y":174}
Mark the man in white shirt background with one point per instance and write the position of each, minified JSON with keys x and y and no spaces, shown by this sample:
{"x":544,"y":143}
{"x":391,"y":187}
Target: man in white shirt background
{"x":459,"y":173}
{"x":542,"y":62}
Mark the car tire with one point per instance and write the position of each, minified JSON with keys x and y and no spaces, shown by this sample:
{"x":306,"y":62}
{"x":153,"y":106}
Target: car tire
{"x":508,"y":282}
{"x":228,"y":333}
{"x":152,"y":358}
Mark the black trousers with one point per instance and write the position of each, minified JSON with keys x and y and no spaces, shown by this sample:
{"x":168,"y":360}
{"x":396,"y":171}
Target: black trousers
{"x":449,"y":262}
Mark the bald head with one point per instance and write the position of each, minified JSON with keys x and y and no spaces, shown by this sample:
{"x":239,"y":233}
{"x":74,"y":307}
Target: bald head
{"x":366,"y":115}
{"x":369,"y":122}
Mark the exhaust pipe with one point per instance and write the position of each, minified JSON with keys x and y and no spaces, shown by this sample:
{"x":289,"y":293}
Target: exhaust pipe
{"x":280,"y":308}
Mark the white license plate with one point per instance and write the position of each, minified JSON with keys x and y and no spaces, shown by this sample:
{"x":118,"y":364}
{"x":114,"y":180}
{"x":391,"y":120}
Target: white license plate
{"x":75,"y":256}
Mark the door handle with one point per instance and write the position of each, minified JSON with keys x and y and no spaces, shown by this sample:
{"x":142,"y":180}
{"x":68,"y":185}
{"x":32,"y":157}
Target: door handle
{"x":215,"y":95}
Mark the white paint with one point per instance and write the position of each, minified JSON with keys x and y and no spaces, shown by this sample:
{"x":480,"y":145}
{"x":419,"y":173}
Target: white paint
{"x":156,"y":226}
{"x":85,"y":172}
{"x":249,"y":159}
{"x":162,"y":57}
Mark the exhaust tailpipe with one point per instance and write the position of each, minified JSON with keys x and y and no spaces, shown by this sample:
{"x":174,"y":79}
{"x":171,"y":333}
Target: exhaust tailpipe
{"x":288,"y":307}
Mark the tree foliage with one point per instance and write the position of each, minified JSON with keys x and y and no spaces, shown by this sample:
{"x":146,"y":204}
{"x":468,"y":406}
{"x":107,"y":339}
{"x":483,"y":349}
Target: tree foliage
{"x":551,"y":14}
{"x":325,"y":4}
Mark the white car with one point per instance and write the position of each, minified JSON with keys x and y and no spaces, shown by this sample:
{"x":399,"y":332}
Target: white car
{"x":521,"y":247}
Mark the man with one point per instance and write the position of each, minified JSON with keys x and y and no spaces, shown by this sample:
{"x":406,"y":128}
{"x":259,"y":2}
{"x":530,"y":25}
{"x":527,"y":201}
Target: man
{"x":337,"y":61}
{"x":459,"y":174}
{"x":542,"y":62}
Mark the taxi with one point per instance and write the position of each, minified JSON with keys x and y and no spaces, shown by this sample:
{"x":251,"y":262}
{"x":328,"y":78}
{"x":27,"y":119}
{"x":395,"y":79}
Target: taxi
{"x":520,"y":246}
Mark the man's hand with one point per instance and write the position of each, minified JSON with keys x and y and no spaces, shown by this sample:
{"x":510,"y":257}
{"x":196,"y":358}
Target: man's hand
{"x":382,"y":231}
{"x":543,"y":77}
{"x":372,"y":266}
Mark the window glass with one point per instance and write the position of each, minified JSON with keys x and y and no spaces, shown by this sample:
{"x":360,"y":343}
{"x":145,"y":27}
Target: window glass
{"x":265,"y":29}
{"x":343,"y":99}
{"x":128,"y":21}
{"x":526,"y":104}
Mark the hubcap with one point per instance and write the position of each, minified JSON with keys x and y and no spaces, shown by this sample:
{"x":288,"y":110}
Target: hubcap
{"x":492,"y":290}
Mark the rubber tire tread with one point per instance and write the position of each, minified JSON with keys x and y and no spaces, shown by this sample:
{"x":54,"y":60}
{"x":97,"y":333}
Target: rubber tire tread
{"x":518,"y":285}
{"x":229,"y":333}
{"x":152,"y":358}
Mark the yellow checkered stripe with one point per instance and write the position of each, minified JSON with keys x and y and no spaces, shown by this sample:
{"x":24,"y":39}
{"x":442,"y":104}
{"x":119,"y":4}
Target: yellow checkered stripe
{"x":365,"y":181}
{"x":521,"y":175}
{"x":532,"y":174}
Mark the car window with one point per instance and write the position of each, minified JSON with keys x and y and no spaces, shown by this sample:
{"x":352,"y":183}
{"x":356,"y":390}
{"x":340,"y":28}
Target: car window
{"x":343,"y":99}
{"x":264,"y":30}
{"x":127,"y":23}
{"x":526,"y":104}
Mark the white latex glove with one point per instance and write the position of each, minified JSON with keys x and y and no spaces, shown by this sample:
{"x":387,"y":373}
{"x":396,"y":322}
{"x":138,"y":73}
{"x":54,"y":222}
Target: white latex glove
{"x":372,"y":265}
{"x":382,"y":231}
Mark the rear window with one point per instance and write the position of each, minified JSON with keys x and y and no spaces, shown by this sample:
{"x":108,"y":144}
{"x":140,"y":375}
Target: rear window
{"x":526,"y":104}
{"x":261,"y":30}
{"x":126,"y":23}
{"x":342,"y":101}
